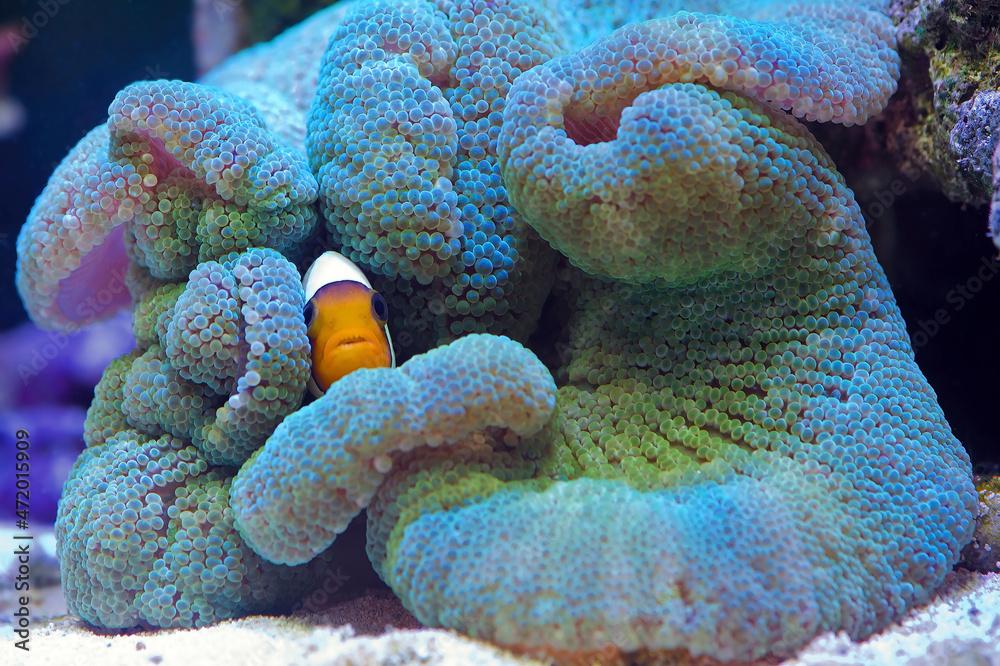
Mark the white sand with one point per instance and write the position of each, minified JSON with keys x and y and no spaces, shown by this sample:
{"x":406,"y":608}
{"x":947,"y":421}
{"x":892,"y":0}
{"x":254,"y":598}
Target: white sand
{"x":333,"y":638}
{"x":257,"y":641}
{"x":960,"y":627}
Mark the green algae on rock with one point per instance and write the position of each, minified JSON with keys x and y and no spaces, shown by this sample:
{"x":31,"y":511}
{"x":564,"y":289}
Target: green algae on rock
{"x":983,"y":553}
{"x":950,"y":57}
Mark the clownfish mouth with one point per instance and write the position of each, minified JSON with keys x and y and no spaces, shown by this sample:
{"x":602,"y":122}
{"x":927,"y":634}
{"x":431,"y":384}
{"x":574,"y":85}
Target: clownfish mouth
{"x":350,"y":341}
{"x":355,"y":351}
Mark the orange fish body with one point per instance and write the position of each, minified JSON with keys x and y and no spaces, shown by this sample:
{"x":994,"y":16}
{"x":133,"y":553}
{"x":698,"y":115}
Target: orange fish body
{"x":346,"y":322}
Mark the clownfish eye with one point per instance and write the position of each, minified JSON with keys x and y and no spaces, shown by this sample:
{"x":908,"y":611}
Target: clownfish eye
{"x":309,"y":312}
{"x":380,"y":309}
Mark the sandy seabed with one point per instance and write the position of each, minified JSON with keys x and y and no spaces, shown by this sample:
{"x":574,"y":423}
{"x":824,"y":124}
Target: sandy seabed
{"x":960,"y":627}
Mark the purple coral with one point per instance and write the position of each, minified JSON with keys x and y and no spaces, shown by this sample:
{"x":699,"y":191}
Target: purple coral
{"x":49,"y":380}
{"x":995,"y":204}
{"x":975,"y":136}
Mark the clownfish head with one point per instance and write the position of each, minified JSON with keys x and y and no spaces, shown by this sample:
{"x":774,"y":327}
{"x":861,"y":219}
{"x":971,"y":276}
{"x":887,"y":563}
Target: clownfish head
{"x":346,"y":322}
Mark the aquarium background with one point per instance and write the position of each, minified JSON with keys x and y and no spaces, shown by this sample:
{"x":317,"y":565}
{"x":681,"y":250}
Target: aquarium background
{"x":73,"y":56}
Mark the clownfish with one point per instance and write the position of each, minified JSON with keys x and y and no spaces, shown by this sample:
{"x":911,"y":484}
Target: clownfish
{"x":345,"y":321}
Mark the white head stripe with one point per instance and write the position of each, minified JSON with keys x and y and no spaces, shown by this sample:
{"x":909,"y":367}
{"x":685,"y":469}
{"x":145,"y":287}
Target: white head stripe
{"x":331,"y":267}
